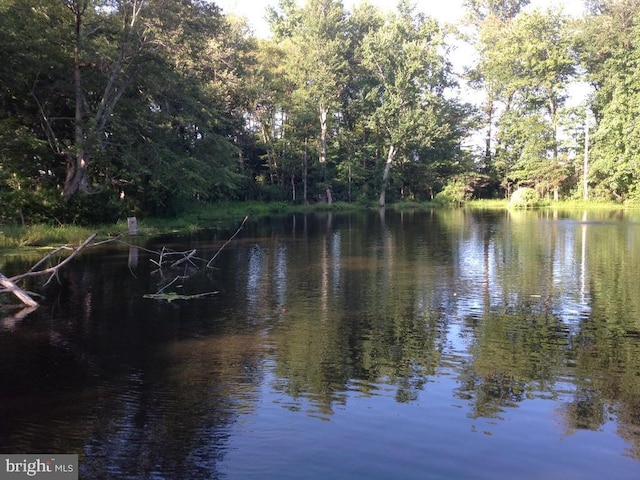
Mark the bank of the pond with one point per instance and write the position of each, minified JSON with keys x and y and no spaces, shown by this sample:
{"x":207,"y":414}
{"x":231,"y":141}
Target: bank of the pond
{"x":552,"y":205}
{"x":223,"y":216}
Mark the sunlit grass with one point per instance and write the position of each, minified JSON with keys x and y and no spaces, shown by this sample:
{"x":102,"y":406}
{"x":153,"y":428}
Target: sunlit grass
{"x":592,"y":205}
{"x":41,"y":235}
{"x":562,"y":204}
{"x":489,"y":204}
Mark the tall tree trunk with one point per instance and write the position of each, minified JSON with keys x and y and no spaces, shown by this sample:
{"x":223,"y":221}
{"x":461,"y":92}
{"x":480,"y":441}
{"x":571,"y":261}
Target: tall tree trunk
{"x":271,"y":163}
{"x":323,"y":148}
{"x":553,"y":110}
{"x":293,"y":188}
{"x":585,"y":163}
{"x":385,"y":176}
{"x":489,"y":134}
{"x":323,"y":133}
{"x":76,"y":176}
{"x":120,"y":77}
{"x":305,"y":171}
{"x":327,"y":191}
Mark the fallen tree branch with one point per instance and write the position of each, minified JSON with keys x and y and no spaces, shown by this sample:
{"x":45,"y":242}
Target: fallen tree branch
{"x":169,"y":284}
{"x":166,"y":261}
{"x":109,"y":240}
{"x":164,"y":257}
{"x":10,"y":284}
{"x":11,"y":287}
{"x":48,"y":256}
{"x":186,"y":258}
{"x":171,"y":296}
{"x":34,"y":273}
{"x":227,"y":242}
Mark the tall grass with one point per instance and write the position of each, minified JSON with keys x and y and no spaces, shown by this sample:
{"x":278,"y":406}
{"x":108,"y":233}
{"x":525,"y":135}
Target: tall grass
{"x":41,"y":235}
{"x":489,"y":204}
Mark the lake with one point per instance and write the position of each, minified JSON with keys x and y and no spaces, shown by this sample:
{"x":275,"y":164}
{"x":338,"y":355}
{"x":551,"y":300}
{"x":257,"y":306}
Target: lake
{"x":391,"y":345}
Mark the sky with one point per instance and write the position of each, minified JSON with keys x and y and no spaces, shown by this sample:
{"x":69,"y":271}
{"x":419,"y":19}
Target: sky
{"x":444,"y":10}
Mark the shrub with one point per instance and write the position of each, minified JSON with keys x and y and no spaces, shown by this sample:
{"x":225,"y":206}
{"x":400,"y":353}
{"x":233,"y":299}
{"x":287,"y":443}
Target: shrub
{"x":457,"y":192}
{"x":524,"y":197}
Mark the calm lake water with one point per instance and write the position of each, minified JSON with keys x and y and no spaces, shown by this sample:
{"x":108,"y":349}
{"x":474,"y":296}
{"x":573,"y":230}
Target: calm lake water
{"x":447,"y":344}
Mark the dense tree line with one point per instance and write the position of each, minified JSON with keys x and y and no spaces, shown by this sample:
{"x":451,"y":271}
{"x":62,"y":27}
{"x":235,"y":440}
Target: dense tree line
{"x":113,"y":107}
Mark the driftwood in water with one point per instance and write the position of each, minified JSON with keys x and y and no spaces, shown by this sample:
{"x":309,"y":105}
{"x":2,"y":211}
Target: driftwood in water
{"x":210,"y":262}
{"x":166,"y":259}
{"x":189,"y":263}
{"x":171,"y":296}
{"x":11,"y":287}
{"x":10,"y":284}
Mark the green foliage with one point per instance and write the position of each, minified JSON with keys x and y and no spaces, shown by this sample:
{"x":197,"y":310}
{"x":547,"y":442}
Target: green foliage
{"x":156,"y":109}
{"x":610,"y":39}
{"x":526,"y":64}
{"x":502,"y":10}
{"x":525,"y":197}
{"x":455,"y":193}
{"x":155,"y":124}
{"x":99,"y":208}
{"x":615,"y":166}
{"x":410,"y":115}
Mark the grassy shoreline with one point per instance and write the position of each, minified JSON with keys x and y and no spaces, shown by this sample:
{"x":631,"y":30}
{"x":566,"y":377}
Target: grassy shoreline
{"x":223,"y":216}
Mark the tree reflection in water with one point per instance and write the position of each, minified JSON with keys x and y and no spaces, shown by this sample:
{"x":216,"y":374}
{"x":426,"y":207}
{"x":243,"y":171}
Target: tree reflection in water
{"x":321,"y":312}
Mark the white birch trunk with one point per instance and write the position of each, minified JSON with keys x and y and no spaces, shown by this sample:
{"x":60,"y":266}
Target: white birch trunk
{"x":385,"y":176}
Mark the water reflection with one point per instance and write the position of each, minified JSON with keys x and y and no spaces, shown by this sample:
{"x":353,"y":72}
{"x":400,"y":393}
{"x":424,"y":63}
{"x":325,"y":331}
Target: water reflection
{"x":477,"y":315}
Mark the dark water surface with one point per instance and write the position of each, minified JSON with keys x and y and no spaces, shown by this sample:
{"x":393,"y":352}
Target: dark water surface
{"x":448,"y":344}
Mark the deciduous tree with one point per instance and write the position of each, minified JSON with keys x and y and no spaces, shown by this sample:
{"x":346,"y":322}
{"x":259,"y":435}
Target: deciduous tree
{"x":405,"y":56}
